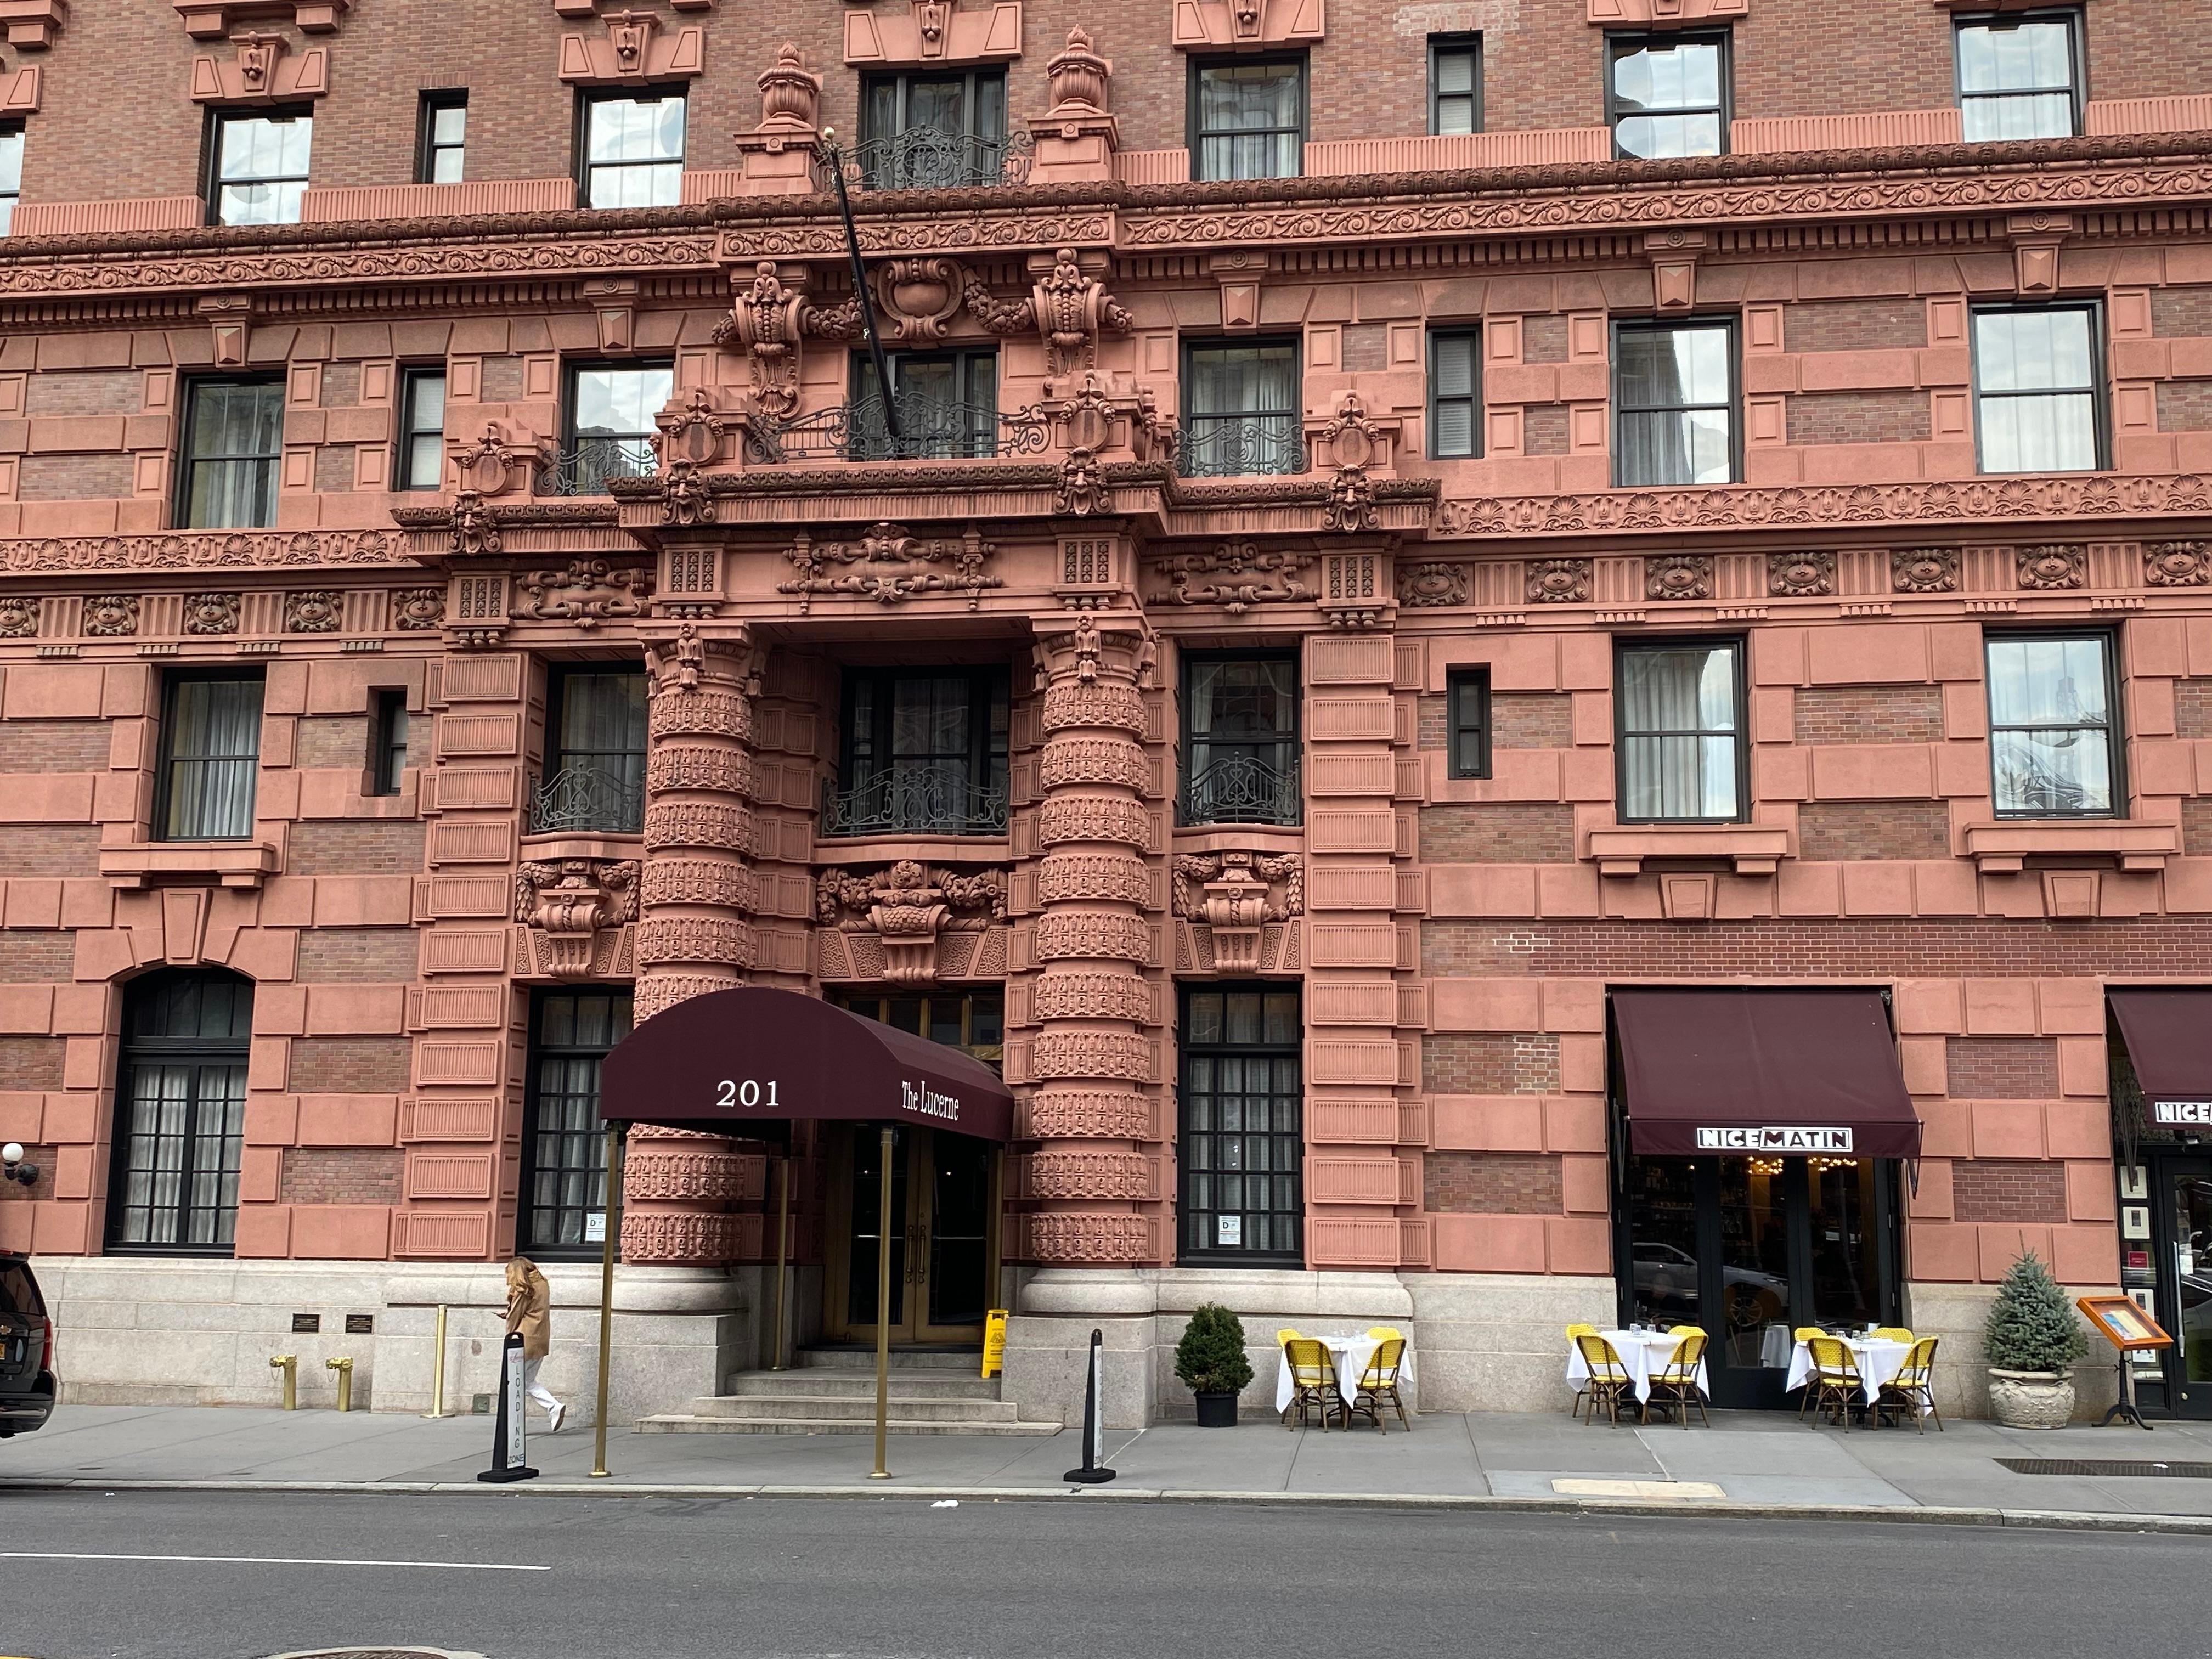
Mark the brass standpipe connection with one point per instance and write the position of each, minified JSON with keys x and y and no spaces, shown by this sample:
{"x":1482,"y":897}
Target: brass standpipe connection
{"x":289,"y":1365}
{"x":344,"y":1367}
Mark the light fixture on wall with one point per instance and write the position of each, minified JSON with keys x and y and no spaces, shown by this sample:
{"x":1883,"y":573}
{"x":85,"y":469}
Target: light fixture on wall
{"x":13,"y":1168}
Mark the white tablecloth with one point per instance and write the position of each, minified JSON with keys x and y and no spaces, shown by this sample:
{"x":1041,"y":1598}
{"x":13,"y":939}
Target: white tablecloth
{"x":1645,"y":1353}
{"x":1879,"y":1358}
{"x":1349,"y":1354}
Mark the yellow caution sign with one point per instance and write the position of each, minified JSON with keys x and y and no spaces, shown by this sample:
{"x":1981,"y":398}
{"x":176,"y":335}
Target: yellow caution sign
{"x":994,"y":1341}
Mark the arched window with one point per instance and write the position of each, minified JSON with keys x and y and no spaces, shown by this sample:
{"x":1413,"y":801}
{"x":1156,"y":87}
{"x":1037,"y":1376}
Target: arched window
{"x":180,"y":1112}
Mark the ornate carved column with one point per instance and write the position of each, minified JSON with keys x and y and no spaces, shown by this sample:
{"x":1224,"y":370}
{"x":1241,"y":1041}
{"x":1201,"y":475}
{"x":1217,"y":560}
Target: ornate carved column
{"x":1092,"y":1056}
{"x":693,"y":936}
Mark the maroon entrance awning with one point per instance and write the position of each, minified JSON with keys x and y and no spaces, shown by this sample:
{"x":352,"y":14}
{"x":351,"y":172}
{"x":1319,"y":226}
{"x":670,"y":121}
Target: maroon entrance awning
{"x":743,"y":1059}
{"x":2169,"y":1034}
{"x":1792,"y":1072}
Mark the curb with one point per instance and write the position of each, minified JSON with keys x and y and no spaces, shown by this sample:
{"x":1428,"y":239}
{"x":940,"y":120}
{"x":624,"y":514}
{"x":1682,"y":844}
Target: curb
{"x":1937,"y":1516}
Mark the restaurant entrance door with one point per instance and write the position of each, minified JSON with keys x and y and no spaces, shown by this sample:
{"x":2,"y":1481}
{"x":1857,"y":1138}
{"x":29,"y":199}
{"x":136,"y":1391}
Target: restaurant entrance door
{"x":1750,"y":1249}
{"x":943,"y":1209}
{"x":2182,"y":1222}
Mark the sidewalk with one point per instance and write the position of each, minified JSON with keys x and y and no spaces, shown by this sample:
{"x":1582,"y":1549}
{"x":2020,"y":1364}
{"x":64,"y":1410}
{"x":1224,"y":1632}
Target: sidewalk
{"x":1745,"y":1462}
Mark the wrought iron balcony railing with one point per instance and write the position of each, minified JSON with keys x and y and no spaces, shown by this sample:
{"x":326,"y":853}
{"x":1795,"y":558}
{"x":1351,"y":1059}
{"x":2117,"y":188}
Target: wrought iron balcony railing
{"x":585,"y":470}
{"x":1216,"y":446}
{"x":916,"y":800}
{"x":930,"y":429}
{"x":588,"y":800}
{"x":1244,"y":788}
{"x":923,"y":158}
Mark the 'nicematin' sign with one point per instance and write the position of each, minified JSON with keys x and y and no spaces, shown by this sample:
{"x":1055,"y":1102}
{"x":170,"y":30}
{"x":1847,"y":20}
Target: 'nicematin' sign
{"x":1771,"y":1138}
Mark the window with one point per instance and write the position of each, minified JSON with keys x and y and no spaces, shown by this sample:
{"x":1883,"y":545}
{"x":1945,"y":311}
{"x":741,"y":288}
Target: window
{"x":2038,"y":406}
{"x":442,"y":145}
{"x":258,"y":166}
{"x":387,"y":739}
{"x":210,"y":755}
{"x":566,"y":1214}
{"x":633,"y":151}
{"x":1240,"y":740}
{"x":1243,"y":1146}
{"x":1666,"y":95}
{"x":1454,"y":83}
{"x":948,"y":407}
{"x":1466,"y":722}
{"x":1248,"y":119}
{"x":234,"y":442}
{"x":1682,"y":756}
{"x":422,"y":433}
{"x":932,"y":130}
{"x":1454,"y":393}
{"x":1241,"y":410}
{"x":180,"y":1111}
{"x":2019,"y":76}
{"x":2054,"y":741}
{"x":922,"y":754}
{"x":11,"y":176}
{"x":610,"y":430}
{"x":972,"y":1021}
{"x":594,"y":779}
{"x":1673,"y":395}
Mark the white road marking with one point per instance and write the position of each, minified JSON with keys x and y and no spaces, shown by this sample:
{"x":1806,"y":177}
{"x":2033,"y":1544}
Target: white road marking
{"x":267,"y":1560}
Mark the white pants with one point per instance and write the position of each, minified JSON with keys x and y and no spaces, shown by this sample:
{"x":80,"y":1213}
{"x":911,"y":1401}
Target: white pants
{"x":535,"y":1389}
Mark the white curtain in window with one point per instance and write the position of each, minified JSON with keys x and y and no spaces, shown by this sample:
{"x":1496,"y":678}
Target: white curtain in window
{"x":1679,"y":743}
{"x":214,"y":746}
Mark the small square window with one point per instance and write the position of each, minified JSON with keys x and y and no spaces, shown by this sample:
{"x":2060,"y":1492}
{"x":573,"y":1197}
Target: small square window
{"x":387,"y":737}
{"x":2054,"y":728}
{"x":1454,"y":392}
{"x":422,"y":433}
{"x":1668,"y":95}
{"x":1674,"y":394}
{"x":441,"y":148}
{"x":258,"y":166}
{"x":1248,"y":119}
{"x":1454,"y":83}
{"x":2039,"y":393}
{"x":2019,"y":76}
{"x":633,"y":151}
{"x":1466,"y":722}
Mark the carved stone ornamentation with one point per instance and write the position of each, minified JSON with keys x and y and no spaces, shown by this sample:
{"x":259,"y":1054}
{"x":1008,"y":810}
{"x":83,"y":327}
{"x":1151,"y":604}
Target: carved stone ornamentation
{"x":111,"y":615}
{"x":2178,"y":564}
{"x":1090,"y":1238}
{"x":1678,"y":576}
{"x":767,"y":323}
{"x":1243,"y":574}
{"x":211,"y":613}
{"x":1071,"y":307}
{"x":19,"y":617}
{"x":586,"y":592}
{"x":1559,"y":581}
{"x":692,"y":431}
{"x":907,"y":906}
{"x":1432,"y":586}
{"x":683,"y":497}
{"x":415,"y":609}
{"x":1078,"y":80}
{"x":2052,"y":567}
{"x":1924,"y":570}
{"x":680,"y":1237}
{"x":889,"y":566}
{"x":475,"y":529}
{"x":1234,"y":895}
{"x":573,"y":903}
{"x":313,"y":611}
{"x":1801,"y":576}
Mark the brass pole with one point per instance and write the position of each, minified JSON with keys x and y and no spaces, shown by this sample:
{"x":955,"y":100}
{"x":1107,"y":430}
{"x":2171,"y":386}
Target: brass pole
{"x":607,"y":1295}
{"x":883,"y":1303}
{"x":438,"y":1370}
{"x":782,"y":1255}
{"x":289,"y":1365}
{"x":344,"y":1367}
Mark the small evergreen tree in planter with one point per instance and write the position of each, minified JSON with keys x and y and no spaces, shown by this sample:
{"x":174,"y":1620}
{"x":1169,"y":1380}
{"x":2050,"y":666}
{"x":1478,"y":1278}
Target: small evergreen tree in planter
{"x":1209,"y":1360}
{"x":2031,"y":1341}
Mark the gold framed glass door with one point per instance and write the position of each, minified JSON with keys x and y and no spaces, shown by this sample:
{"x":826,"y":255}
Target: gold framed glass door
{"x":944,"y":1205}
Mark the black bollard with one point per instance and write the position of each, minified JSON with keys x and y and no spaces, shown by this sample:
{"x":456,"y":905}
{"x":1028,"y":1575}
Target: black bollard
{"x":1094,"y":1472}
{"x":509,"y":1437}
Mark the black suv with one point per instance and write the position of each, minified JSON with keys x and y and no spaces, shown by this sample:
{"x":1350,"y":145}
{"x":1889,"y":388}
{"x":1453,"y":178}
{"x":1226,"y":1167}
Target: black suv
{"x":26,"y":1350}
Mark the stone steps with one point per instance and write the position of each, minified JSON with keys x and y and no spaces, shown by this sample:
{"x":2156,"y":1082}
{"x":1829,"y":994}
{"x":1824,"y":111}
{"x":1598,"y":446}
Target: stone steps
{"x":833,"y":1391}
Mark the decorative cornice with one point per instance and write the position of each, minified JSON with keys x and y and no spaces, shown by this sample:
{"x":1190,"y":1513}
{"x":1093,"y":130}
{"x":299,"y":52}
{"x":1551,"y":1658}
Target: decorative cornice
{"x":183,"y":550}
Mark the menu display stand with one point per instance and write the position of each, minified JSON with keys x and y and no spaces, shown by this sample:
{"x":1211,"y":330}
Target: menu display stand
{"x":2121,"y":1322}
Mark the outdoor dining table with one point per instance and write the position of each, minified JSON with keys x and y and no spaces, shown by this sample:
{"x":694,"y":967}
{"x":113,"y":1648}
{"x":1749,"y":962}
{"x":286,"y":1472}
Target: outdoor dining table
{"x":1645,"y":1353}
{"x":1878,"y":1357}
{"x":1349,"y":1354}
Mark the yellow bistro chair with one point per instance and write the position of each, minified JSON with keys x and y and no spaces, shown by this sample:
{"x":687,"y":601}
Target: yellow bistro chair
{"x":1892,"y":1333}
{"x":1287,"y":1334}
{"x":1313,"y":1379}
{"x":1677,"y":1384}
{"x":1384,"y":1333}
{"x":1609,"y":1381}
{"x":1806,"y":1332}
{"x":1913,"y":1388}
{"x":1834,"y":1380}
{"x":1378,"y":1387}
{"x":1574,"y":1406}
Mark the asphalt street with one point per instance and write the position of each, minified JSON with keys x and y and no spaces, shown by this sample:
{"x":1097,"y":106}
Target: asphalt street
{"x":161,"y":1574}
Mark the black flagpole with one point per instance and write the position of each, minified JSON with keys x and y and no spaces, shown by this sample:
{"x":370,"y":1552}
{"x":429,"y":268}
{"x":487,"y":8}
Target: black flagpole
{"x":860,"y":285}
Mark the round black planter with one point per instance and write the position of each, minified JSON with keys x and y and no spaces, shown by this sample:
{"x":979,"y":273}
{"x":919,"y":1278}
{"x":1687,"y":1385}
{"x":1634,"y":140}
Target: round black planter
{"x":1216,"y":1411}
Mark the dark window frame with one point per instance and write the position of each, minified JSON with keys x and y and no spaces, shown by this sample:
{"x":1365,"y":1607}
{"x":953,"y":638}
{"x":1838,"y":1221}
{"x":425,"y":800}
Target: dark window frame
{"x":202,"y":1053}
{"x":181,"y":504}
{"x":1468,"y":743}
{"x":220,"y":116}
{"x":2115,"y":729}
{"x":388,"y":736}
{"x":2078,"y":50}
{"x":990,"y":685}
{"x":1186,"y":1171}
{"x":1293,"y":742}
{"x":1618,"y":45}
{"x":435,"y":100}
{"x":1193,"y":135}
{"x":901,"y":82}
{"x":572,"y":440}
{"x":1192,"y":346}
{"x":1468,"y":43}
{"x":556,"y":758}
{"x":1472,"y":335}
{"x":411,"y":377}
{"x":979,"y":441}
{"x":167,"y":759}
{"x":527,"y":1215}
{"x":1728,"y":324}
{"x":587,"y":98}
{"x":1622,"y":648}
{"x":2100,"y":389}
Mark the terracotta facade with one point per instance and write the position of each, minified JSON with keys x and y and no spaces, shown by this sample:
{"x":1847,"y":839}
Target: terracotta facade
{"x":1451,"y":939}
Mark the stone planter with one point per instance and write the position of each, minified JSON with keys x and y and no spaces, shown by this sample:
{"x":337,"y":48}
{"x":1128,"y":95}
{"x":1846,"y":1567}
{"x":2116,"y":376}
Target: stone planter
{"x":1216,"y":1411}
{"x":2031,"y":1399}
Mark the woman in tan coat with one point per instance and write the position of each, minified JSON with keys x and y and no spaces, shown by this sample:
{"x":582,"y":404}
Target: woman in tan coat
{"x":530,"y":1310}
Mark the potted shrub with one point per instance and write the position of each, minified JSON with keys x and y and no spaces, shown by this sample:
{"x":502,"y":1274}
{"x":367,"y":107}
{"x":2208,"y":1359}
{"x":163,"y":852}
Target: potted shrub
{"x":2031,"y":1341}
{"x":1209,"y":1360}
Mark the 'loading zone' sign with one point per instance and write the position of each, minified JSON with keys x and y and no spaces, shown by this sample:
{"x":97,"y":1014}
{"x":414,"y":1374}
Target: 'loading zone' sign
{"x":1774,"y":1140}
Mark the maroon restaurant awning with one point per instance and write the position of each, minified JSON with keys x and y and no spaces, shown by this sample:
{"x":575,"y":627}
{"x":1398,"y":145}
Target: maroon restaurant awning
{"x":739,"y":1061}
{"x":2169,"y":1034}
{"x":1783,"y":1073}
